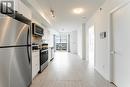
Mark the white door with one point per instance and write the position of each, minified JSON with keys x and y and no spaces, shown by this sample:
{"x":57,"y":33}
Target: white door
{"x":121,"y":44}
{"x":91,"y":46}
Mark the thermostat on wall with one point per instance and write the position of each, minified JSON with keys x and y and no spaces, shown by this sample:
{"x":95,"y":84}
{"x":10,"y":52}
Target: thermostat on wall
{"x":103,"y":35}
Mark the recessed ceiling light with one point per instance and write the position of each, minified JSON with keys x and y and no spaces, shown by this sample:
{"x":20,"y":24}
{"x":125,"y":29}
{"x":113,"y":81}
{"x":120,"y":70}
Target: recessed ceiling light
{"x":78,"y":10}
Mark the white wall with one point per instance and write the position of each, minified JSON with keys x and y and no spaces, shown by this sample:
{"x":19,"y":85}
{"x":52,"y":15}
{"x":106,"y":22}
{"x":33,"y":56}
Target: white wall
{"x":100,"y":20}
{"x":51,"y":34}
{"x":73,"y":42}
{"x":51,"y":39}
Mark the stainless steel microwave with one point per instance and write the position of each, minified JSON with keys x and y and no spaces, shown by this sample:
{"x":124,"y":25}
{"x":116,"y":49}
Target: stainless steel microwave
{"x":37,"y":30}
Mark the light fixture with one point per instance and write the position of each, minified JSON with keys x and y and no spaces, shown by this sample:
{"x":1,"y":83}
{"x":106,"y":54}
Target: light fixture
{"x":52,"y":13}
{"x":78,"y":10}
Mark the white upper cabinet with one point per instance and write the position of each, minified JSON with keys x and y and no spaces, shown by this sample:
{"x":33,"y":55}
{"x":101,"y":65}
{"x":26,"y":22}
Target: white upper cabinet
{"x":22,"y":9}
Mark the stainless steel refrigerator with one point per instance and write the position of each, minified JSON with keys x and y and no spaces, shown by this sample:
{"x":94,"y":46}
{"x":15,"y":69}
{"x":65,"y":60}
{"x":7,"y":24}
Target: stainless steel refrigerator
{"x":15,"y":51}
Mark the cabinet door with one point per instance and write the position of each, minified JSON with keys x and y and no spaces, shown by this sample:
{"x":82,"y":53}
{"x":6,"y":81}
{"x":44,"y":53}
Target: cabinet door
{"x":23,"y":9}
{"x":35,"y":63}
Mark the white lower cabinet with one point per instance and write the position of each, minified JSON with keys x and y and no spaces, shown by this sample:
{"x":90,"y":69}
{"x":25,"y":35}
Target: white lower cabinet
{"x":35,"y":63}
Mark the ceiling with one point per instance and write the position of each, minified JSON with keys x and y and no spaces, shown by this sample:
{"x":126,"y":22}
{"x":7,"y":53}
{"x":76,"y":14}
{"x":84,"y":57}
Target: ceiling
{"x":66,"y":20}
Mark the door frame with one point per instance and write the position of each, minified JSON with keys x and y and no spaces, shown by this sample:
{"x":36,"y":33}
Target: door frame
{"x":111,"y":42}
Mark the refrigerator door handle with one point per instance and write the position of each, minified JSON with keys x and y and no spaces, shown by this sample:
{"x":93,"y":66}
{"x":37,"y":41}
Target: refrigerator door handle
{"x":28,"y":46}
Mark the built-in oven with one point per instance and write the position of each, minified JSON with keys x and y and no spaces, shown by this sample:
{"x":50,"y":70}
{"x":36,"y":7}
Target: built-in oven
{"x":37,"y":30}
{"x":43,"y":57}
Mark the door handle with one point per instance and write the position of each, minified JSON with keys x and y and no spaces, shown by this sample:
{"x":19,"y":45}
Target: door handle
{"x":28,"y":46}
{"x":113,"y":52}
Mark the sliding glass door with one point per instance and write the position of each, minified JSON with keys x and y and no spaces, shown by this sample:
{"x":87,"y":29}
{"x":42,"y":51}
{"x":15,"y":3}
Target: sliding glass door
{"x":61,"y":42}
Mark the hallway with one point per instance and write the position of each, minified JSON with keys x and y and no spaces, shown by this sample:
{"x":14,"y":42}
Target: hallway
{"x":68,"y":70}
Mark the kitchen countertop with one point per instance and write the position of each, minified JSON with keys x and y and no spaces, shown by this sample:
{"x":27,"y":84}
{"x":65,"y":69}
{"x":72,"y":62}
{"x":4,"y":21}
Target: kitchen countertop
{"x":51,"y":47}
{"x":35,"y":51}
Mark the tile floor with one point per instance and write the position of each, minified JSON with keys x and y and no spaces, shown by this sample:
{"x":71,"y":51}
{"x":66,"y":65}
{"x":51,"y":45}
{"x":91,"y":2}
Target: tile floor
{"x":68,"y":70}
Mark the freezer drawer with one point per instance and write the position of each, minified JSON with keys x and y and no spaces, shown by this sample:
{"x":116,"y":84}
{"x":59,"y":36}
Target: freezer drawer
{"x":15,"y":67}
